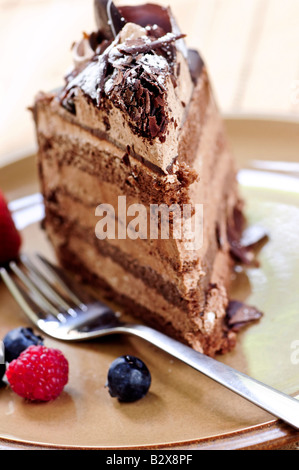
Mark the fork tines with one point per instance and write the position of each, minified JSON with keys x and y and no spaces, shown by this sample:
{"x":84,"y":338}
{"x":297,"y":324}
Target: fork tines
{"x":42,"y":293}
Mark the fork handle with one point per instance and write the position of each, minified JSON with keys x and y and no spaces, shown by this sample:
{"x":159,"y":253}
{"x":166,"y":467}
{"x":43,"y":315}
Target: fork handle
{"x":276,"y":403}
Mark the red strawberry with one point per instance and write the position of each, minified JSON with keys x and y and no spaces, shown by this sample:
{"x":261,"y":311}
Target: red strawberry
{"x":10,"y":239}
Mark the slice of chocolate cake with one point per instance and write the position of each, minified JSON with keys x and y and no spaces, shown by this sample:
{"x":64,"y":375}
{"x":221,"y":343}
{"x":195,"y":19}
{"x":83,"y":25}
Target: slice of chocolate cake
{"x":134,"y":131}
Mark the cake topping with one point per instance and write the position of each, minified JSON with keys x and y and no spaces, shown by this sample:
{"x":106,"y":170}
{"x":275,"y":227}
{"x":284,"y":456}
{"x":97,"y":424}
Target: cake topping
{"x":92,"y":77}
{"x":142,"y":76}
{"x":82,"y":52}
{"x":108,"y":18}
{"x":135,"y":68}
{"x":132,"y":71}
{"x":145,"y":44}
{"x":148,"y":14}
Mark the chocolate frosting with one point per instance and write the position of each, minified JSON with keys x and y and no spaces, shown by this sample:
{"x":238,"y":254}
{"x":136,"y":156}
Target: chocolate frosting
{"x":143,"y":99}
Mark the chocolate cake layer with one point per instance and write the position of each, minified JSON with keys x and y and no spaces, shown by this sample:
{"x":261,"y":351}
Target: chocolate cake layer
{"x":206,"y":333}
{"x":134,"y":259}
{"x":67,"y":196}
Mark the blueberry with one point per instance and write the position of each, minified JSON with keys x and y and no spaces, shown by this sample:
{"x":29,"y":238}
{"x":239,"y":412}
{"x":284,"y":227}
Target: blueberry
{"x":128,"y":379}
{"x":16,"y":341}
{"x":2,"y":372}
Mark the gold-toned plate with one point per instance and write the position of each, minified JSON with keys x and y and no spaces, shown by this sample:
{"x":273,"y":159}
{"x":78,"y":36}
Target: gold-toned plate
{"x":184,"y":410}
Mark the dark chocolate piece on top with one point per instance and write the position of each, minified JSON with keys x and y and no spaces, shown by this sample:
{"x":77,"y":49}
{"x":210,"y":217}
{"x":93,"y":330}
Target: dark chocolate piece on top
{"x":147,"y":15}
{"x":109,"y":20}
{"x":116,"y":19}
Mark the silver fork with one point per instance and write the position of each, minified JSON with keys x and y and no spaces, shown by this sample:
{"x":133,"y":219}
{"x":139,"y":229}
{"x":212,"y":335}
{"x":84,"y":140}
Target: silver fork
{"x":63,"y":314}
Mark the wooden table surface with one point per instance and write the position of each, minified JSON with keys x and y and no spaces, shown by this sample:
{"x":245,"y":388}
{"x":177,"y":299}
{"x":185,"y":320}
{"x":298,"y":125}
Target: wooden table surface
{"x":250,"y":47}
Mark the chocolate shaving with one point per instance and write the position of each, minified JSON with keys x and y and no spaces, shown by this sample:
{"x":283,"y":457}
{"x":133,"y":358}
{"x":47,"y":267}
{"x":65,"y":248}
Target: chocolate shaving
{"x":108,"y":18}
{"x":147,"y":15}
{"x":98,"y":42}
{"x":254,"y":237}
{"x":238,"y":251}
{"x":140,"y":46}
{"x":196,"y":64}
{"x":116,"y":20}
{"x":245,"y":243}
{"x":239,"y":315}
{"x":69,"y":104}
{"x":137,"y":92}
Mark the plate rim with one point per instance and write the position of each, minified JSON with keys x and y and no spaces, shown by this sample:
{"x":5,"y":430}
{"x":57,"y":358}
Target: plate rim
{"x":272,"y":435}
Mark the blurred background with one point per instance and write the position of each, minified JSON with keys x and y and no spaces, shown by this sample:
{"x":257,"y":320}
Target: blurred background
{"x":250,"y":48}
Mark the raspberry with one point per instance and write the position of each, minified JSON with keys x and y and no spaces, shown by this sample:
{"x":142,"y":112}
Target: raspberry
{"x":38,"y":374}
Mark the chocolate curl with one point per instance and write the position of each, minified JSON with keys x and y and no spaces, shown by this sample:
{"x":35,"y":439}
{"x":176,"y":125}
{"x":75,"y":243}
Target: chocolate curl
{"x":145,"y":46}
